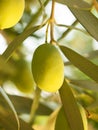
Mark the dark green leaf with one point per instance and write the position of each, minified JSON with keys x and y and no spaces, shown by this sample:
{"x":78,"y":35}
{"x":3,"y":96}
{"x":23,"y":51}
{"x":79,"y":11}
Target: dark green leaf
{"x":7,"y":116}
{"x":71,"y":109}
{"x":91,"y":55}
{"x":81,"y":63}
{"x":25,"y":126}
{"x":7,"y":122}
{"x":61,"y":121}
{"x":80,"y":4}
{"x":23,"y":105}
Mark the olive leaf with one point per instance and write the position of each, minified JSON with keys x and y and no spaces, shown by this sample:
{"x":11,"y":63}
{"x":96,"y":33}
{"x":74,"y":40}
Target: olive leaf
{"x":83,"y":64}
{"x":85,"y":84}
{"x":81,"y":10}
{"x":70,"y":107}
{"x":61,"y":121}
{"x":18,"y":40}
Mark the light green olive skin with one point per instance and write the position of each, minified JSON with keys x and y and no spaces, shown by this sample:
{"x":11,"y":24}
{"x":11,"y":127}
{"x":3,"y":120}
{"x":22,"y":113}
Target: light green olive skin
{"x":48,"y":68}
{"x":11,"y":12}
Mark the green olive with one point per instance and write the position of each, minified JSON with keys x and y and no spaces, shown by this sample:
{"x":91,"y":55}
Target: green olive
{"x":48,"y":68}
{"x":10,"y":12}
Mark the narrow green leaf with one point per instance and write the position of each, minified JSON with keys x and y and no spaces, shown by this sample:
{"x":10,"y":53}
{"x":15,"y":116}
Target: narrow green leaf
{"x":23,"y":105}
{"x":51,"y":120}
{"x":71,"y":109}
{"x":11,"y":107}
{"x":61,"y":121}
{"x":77,"y":4}
{"x":18,"y":40}
{"x":90,"y":25}
{"x":81,"y":11}
{"x":81,"y":63}
{"x":7,"y":115}
{"x":7,"y":122}
{"x":85,"y":84}
{"x":91,"y":55}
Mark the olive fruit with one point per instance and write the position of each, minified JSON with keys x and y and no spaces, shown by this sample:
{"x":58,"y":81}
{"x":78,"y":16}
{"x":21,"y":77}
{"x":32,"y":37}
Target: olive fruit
{"x":48,"y":68}
{"x":22,"y":77}
{"x":10,"y":12}
{"x":25,"y":82}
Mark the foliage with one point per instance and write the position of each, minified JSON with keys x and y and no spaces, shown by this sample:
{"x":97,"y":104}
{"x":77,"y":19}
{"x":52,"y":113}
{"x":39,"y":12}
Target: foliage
{"x":23,"y":106}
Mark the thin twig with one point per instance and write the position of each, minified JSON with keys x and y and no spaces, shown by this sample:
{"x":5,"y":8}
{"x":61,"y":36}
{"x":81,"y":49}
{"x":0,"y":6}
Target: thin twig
{"x":72,"y":27}
{"x":68,"y":30}
{"x":46,"y":36}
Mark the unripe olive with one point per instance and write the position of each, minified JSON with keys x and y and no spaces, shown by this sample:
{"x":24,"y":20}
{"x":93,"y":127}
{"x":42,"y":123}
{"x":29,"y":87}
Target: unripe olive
{"x":48,"y":68}
{"x":10,"y":12}
{"x":25,"y":82}
{"x":22,"y":76}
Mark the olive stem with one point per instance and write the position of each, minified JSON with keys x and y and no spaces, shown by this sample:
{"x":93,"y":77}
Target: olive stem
{"x":52,"y":21}
{"x":35,"y":104}
{"x":46,"y":37}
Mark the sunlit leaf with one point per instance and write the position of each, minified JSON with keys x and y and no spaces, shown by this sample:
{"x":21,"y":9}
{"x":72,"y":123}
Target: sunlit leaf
{"x":84,"y":116}
{"x":50,"y":124}
{"x":70,"y":107}
{"x":81,"y":63}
